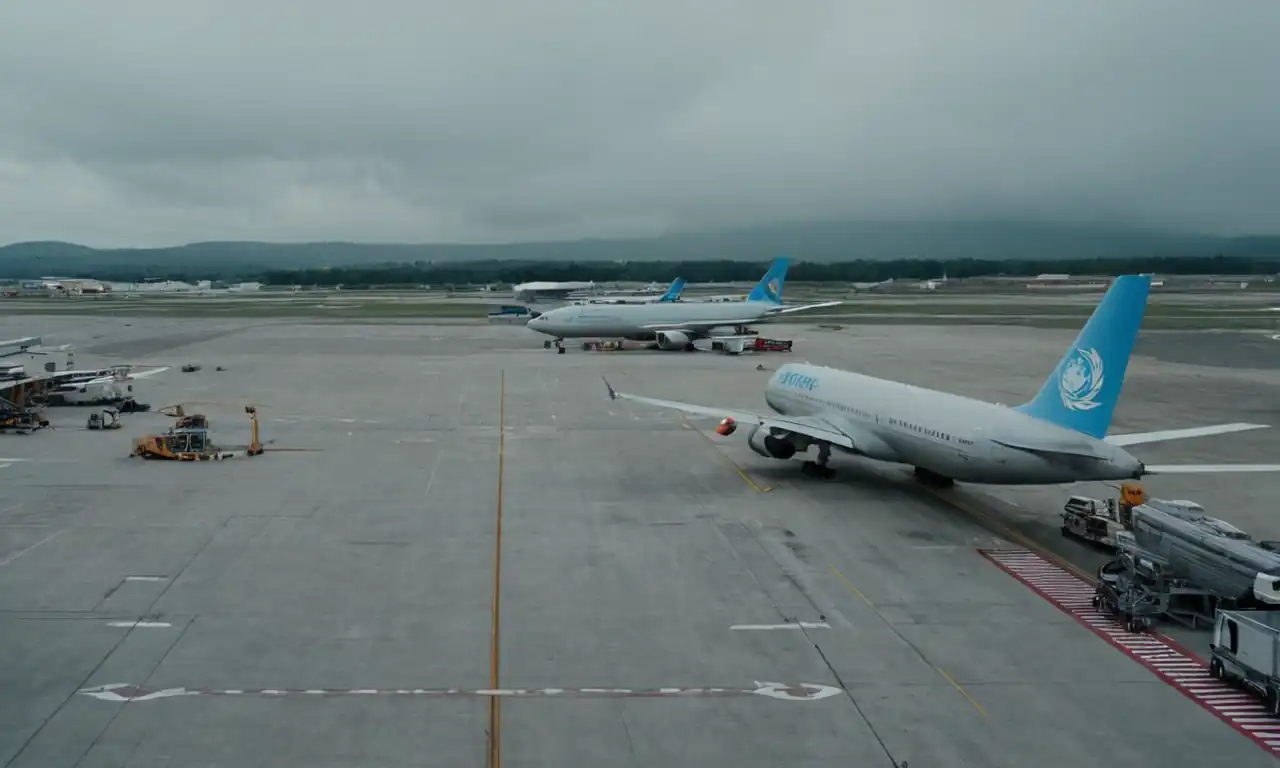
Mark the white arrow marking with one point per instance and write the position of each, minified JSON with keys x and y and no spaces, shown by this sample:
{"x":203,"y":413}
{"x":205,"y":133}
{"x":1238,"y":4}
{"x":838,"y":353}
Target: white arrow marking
{"x":802,"y":692}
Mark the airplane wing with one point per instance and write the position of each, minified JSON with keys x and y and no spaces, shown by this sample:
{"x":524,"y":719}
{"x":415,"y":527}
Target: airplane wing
{"x":130,"y":376}
{"x":1139,"y":438}
{"x":700,"y":325}
{"x":145,"y":374}
{"x":808,"y":426}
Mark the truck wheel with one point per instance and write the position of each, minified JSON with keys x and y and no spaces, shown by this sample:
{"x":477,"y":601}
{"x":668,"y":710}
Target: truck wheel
{"x":1272,"y":700}
{"x":1215,"y":669}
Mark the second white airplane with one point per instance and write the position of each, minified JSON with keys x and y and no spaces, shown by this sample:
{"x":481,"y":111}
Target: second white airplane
{"x":673,"y":325}
{"x":1058,"y":437}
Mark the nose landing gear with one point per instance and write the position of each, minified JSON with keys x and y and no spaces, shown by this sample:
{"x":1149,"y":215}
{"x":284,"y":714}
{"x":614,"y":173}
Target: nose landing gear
{"x":558,"y":343}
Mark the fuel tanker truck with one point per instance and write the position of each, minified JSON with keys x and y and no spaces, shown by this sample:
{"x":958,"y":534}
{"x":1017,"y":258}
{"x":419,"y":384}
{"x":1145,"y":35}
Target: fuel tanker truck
{"x":1209,"y":553}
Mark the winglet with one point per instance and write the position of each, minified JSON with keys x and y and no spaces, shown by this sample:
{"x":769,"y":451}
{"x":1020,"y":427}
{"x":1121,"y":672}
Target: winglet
{"x":612,"y":394}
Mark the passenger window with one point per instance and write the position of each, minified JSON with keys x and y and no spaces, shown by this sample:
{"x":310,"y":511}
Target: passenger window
{"x":1233,"y":632}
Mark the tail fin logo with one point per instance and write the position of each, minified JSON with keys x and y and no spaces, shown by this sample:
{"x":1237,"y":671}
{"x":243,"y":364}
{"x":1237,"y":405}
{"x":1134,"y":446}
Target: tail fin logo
{"x":1082,"y":380}
{"x":773,"y":287}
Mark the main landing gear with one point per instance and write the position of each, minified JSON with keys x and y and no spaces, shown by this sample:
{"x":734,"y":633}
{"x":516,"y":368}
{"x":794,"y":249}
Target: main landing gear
{"x":933,"y":479}
{"x":819,"y":468}
{"x":559,"y":345}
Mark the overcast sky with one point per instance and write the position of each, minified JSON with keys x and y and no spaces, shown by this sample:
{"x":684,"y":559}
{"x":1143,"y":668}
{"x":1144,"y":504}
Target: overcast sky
{"x":157,"y":122}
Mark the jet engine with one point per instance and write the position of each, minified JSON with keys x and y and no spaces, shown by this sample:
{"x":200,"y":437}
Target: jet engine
{"x":769,"y":446}
{"x":673,"y":339}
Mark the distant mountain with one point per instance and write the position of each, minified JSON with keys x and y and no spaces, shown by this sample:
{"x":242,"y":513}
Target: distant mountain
{"x":823,"y":242}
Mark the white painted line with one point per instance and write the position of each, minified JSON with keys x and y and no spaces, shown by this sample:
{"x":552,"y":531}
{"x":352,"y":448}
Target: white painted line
{"x":145,"y":578}
{"x":121,"y":692}
{"x":139,"y":624}
{"x":795,"y":625}
{"x":22,"y":552}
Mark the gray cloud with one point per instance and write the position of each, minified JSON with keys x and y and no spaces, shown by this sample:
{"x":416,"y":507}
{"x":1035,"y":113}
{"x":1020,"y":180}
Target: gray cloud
{"x":154,"y":122}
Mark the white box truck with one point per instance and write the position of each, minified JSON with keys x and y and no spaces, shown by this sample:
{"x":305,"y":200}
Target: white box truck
{"x":1246,"y":651}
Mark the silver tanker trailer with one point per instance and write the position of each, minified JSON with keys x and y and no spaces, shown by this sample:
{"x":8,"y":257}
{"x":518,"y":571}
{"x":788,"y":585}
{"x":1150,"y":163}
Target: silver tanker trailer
{"x":1209,"y":553}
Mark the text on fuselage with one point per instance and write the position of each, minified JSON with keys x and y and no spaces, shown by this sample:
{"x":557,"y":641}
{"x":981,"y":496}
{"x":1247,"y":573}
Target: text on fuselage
{"x":798,"y":381}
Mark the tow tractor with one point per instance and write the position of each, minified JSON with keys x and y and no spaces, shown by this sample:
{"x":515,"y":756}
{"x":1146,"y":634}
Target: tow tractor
{"x":771,"y":345}
{"x":1099,"y":521}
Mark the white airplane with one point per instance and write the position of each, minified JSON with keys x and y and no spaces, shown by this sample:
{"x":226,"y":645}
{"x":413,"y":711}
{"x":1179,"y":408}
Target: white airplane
{"x":535,"y":292}
{"x":1058,"y":437}
{"x":673,"y":325}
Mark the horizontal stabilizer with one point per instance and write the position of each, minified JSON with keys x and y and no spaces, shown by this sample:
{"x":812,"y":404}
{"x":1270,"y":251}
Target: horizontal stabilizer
{"x":1139,"y":438}
{"x":1208,"y":469}
{"x":803,"y":307}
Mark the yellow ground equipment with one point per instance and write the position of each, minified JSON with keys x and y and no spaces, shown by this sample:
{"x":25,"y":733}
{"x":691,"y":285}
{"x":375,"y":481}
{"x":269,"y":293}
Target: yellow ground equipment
{"x":108,"y":419}
{"x":23,"y":419}
{"x":189,"y":439}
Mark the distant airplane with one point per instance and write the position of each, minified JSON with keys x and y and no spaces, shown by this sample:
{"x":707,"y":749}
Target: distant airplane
{"x":533,"y":299}
{"x":672,"y":294}
{"x":673,"y":325}
{"x":532,"y":293}
{"x":859,"y":287}
{"x":1058,"y":437}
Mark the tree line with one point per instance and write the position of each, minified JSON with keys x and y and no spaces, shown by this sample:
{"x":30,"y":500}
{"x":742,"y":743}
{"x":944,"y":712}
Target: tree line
{"x":486,"y":272}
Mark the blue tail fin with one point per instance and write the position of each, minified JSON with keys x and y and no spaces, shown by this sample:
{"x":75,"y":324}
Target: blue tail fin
{"x":1081,"y":393}
{"x":770,"y":286}
{"x":673,"y":292}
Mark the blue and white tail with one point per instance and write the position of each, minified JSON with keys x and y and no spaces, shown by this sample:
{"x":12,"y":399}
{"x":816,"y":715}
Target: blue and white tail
{"x":673,"y":293}
{"x":1081,"y":393}
{"x":770,"y":286}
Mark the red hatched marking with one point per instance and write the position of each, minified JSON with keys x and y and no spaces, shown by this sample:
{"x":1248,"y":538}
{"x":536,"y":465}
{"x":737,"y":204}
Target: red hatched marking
{"x":1172,"y":663}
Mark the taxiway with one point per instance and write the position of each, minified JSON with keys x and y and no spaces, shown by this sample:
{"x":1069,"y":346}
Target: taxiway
{"x":336,"y":607}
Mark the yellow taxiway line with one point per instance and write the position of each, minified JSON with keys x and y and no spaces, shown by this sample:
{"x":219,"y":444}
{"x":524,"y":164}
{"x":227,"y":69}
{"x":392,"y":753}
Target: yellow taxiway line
{"x":732,"y":464}
{"x":495,"y":702}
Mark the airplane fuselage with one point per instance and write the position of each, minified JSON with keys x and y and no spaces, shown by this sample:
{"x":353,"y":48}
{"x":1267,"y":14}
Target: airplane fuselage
{"x":953,"y":436}
{"x":628,"y":321}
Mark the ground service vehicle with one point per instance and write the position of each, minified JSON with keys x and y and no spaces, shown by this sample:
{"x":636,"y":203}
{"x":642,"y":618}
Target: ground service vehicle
{"x":1099,"y":520}
{"x":108,"y":419}
{"x":1246,"y":650}
{"x":189,"y":440}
